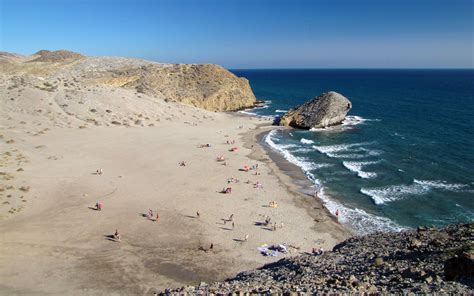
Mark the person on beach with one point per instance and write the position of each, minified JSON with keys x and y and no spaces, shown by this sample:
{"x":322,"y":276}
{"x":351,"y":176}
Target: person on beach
{"x":231,"y":217}
{"x":198,"y":214}
{"x":157,"y":217}
{"x":233,"y":225}
{"x":337,"y":214}
{"x":182,"y":163}
{"x":99,"y":171}
{"x":98,"y":206}
{"x":116,"y":235}
{"x":246,"y":237}
{"x":149,"y":215}
{"x":211,"y":247}
{"x":274,"y":226}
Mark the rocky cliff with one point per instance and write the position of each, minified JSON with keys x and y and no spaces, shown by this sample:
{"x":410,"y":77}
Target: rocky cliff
{"x":206,"y":86}
{"x":427,"y":260}
{"x":324,"y":110}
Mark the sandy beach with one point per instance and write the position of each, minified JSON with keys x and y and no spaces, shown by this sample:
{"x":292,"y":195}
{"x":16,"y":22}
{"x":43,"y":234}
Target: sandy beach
{"x":56,"y":243}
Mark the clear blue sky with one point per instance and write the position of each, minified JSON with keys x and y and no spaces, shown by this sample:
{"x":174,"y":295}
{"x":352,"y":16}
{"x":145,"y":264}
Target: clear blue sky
{"x":250,"y":34}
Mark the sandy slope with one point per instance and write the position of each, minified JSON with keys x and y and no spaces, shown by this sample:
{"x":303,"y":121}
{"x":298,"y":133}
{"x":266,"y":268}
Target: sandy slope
{"x":51,"y":242}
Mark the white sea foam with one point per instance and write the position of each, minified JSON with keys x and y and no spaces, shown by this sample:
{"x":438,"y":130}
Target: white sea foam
{"x":305,"y":165}
{"x":357,"y":219}
{"x":443,"y":185}
{"x":306,"y":141}
{"x":354,"y":147}
{"x":386,"y":194}
{"x":352,"y":120}
{"x":247,"y":112}
{"x":347,"y":123}
{"x":356,"y":166}
{"x":281,"y":111}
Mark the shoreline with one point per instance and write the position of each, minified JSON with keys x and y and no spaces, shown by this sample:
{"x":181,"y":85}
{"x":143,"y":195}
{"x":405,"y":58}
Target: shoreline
{"x":290,"y":176}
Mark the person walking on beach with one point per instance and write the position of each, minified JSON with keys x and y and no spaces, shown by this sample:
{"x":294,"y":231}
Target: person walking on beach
{"x":198,"y":214}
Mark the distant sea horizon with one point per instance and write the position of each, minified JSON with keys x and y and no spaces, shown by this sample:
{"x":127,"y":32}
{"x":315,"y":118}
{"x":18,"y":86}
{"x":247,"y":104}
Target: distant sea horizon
{"x":404,"y":157}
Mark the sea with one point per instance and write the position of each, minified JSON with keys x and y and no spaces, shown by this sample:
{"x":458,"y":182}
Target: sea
{"x":404,"y":156}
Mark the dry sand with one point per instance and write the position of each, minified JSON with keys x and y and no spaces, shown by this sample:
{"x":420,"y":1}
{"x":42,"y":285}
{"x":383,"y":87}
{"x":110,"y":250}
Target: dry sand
{"x":52,"y":242}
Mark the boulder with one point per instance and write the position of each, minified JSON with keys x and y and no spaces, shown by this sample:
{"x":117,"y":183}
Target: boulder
{"x":324,"y":110}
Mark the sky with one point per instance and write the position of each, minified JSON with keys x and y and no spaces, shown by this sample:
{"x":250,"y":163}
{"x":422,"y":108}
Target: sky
{"x":249,"y":33}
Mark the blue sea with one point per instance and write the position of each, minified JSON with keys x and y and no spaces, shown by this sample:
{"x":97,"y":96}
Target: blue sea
{"x":404,"y":157}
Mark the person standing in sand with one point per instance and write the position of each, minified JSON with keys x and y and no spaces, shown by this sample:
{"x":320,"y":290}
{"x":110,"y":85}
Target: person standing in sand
{"x":198,"y":214}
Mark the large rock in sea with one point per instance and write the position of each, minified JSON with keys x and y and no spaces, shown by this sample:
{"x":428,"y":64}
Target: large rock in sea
{"x":324,"y":110}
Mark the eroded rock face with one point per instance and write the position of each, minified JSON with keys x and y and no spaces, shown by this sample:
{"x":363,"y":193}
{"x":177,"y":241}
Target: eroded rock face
{"x":324,"y":110}
{"x":206,"y":86}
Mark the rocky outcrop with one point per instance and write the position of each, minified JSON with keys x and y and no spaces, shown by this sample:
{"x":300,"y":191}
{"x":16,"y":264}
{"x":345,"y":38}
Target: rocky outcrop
{"x":57,"y":56}
{"x":424,"y":261}
{"x":325,"y":110}
{"x":206,"y":86}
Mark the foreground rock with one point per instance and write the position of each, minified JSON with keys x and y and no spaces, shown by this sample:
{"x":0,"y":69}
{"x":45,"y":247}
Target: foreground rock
{"x":428,"y":260}
{"x":325,"y":110}
{"x":205,"y":86}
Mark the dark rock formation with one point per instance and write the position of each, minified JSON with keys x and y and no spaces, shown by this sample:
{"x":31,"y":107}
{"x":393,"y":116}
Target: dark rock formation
{"x":325,"y":110}
{"x":423,"y":261}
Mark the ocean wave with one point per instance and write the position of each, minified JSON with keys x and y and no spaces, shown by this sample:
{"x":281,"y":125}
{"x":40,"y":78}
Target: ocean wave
{"x":386,"y":194}
{"x":306,"y":141}
{"x":392,"y":193}
{"x":356,"y":167}
{"x":304,"y":165}
{"x":440,"y":184}
{"x":247,"y":112}
{"x":353,"y":147}
{"x":349,"y":122}
{"x":281,"y":111}
{"x":352,"y":120}
{"x":357,"y":219}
